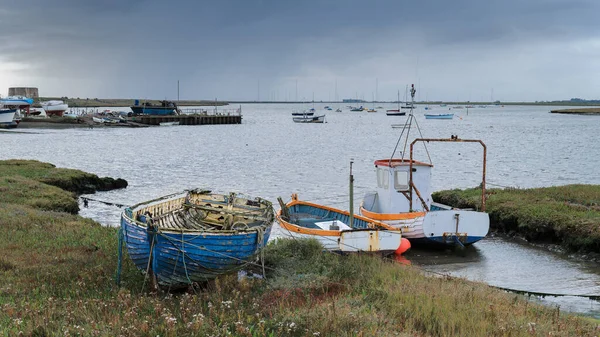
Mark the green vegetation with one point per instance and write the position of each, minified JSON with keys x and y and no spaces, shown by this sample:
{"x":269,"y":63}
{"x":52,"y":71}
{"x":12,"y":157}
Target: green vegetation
{"x":75,"y":181}
{"x":568,"y":215}
{"x":57,"y":279}
{"x":579,"y":111}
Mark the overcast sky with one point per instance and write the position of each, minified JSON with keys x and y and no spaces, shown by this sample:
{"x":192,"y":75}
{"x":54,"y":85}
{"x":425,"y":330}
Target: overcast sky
{"x":521,"y":50}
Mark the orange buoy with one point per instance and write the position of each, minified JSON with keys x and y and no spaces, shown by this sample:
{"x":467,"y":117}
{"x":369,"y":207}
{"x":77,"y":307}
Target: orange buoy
{"x":404,"y":246}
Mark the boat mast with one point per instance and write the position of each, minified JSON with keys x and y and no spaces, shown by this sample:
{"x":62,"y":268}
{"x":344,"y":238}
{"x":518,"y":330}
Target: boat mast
{"x":351,"y":208}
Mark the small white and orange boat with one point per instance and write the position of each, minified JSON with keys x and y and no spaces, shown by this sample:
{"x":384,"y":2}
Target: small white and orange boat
{"x":337,"y":230}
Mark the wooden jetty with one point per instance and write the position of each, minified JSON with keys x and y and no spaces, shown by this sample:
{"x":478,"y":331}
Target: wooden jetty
{"x":187,"y":119}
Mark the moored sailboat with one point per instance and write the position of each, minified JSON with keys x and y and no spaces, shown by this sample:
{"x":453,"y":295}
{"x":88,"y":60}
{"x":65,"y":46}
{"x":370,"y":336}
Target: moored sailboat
{"x":396,"y":112}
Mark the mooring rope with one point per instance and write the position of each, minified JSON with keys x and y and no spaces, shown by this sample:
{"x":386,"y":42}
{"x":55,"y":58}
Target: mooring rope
{"x":86,"y":200}
{"x":120,"y":256}
{"x":523,"y":292}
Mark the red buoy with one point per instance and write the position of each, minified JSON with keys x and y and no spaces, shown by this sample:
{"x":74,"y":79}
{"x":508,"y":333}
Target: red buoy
{"x":404,"y":246}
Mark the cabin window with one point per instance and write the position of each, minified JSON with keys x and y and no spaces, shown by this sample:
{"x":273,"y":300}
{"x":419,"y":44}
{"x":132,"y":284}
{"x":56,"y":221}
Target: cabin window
{"x":383,"y":178}
{"x":401,"y":180}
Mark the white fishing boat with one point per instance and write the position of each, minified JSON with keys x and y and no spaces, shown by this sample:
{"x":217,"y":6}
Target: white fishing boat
{"x":309,"y":119}
{"x":403,"y":199}
{"x":309,"y":112}
{"x":55,"y":107}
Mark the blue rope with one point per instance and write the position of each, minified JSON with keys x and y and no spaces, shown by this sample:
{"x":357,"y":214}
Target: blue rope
{"x":458,"y":241}
{"x":119,"y":264}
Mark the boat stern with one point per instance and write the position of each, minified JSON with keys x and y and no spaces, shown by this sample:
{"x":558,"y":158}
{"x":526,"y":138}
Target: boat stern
{"x":370,"y":240}
{"x":456,"y":226}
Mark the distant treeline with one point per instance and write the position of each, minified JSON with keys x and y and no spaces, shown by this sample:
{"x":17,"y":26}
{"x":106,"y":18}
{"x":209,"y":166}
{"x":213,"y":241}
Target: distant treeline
{"x":121,"y":102}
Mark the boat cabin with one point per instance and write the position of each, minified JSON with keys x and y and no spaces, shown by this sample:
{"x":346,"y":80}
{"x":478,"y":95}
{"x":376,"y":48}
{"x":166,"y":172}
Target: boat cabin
{"x":394,"y":190}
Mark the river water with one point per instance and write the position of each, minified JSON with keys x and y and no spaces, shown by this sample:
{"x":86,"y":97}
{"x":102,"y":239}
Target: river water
{"x":269,"y":156}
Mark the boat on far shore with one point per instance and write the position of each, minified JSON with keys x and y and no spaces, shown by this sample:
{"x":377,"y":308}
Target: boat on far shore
{"x":18,"y":102}
{"x":168,"y":123}
{"x":54,"y":108}
{"x":7,"y":117}
{"x":309,"y":119}
{"x":308,"y":112}
{"x":439,"y":116}
{"x":166,"y":108}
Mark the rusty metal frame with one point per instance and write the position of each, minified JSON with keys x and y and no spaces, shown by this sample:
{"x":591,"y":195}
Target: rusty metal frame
{"x":453,"y":139}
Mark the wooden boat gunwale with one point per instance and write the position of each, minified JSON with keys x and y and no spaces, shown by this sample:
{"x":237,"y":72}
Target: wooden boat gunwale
{"x":286,"y":224}
{"x":132,"y":212}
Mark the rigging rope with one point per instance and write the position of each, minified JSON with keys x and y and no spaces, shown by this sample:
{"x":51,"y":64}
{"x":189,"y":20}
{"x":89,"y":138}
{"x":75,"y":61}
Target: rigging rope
{"x":407,"y":127}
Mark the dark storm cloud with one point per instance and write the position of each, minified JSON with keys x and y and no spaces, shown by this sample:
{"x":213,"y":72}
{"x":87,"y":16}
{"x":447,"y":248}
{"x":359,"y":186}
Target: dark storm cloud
{"x":224,"y":48}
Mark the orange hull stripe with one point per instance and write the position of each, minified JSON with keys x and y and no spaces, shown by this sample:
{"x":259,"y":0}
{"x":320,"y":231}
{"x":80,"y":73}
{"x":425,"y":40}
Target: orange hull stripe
{"x":302,"y":230}
{"x":391,"y":216}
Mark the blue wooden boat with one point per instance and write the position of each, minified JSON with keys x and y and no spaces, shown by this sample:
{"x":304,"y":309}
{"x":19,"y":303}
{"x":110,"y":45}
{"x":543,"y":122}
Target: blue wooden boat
{"x":439,"y":116}
{"x":195,"y":236}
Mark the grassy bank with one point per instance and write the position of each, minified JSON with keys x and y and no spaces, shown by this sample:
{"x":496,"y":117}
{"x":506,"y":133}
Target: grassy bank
{"x":567,"y":215}
{"x":578,"y":111}
{"x":57,"y":279}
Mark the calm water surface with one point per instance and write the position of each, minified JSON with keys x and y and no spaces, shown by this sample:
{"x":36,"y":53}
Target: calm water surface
{"x":270,"y":156}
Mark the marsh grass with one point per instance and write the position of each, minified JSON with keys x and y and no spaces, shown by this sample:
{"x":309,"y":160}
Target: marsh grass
{"x":75,"y":181}
{"x":568,"y":215}
{"x":57,"y":278}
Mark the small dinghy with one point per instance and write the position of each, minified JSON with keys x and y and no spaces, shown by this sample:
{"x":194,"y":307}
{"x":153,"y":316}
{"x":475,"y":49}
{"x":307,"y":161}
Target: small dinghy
{"x":336,"y":230}
{"x":196,"y":235}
